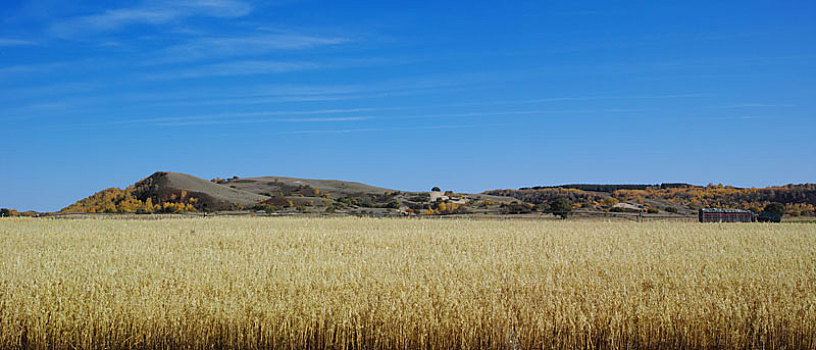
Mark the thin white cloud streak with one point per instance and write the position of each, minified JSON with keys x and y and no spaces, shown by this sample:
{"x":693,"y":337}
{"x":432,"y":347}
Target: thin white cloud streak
{"x":15,"y":42}
{"x":254,"y":121}
{"x":236,"y":69}
{"x":235,"y":116}
{"x":754,"y":105}
{"x":729,"y":62}
{"x":38,"y":68}
{"x":257,"y":67}
{"x":40,"y":107}
{"x":516,"y":113}
{"x":357,"y":130}
{"x":384,"y":90}
{"x":266,"y":95}
{"x":740,"y":117}
{"x":218,"y":47}
{"x":357,"y":93}
{"x":332,"y":131}
{"x":241,"y":118}
{"x":585,"y":98}
{"x":154,"y":13}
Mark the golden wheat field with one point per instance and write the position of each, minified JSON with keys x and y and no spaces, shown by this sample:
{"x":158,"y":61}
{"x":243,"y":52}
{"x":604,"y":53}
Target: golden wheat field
{"x":363,"y":283}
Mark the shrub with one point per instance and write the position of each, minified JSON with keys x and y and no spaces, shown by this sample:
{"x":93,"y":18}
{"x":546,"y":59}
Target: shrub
{"x":560,"y":207}
{"x":772,"y":213}
{"x":517,"y":208}
{"x":775,"y":209}
{"x":609,"y":202}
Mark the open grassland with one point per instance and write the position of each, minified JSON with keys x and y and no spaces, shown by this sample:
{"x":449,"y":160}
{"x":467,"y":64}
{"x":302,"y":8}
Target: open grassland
{"x":250,"y":283}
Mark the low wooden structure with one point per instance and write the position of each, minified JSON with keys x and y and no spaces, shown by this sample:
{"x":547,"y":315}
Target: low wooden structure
{"x":726,"y":215}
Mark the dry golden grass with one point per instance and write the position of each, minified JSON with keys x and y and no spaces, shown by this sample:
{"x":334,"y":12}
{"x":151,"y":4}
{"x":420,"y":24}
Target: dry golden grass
{"x":247,"y":283}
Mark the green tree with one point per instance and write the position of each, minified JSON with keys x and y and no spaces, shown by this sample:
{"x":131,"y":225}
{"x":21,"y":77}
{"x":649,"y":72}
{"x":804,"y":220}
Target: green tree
{"x":772,"y":213}
{"x":775,"y":209}
{"x":560,"y":207}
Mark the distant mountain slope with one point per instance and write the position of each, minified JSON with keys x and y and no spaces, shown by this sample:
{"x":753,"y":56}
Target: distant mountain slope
{"x":277,"y":184}
{"x":167,"y":192}
{"x":163,"y":186}
{"x":170,"y":192}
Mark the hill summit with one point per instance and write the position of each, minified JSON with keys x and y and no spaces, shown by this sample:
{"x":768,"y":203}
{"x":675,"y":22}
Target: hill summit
{"x":167,"y":192}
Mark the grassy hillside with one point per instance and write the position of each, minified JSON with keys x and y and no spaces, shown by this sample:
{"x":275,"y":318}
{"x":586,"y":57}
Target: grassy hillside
{"x":798,"y":199}
{"x":166,"y":192}
{"x":277,"y":184}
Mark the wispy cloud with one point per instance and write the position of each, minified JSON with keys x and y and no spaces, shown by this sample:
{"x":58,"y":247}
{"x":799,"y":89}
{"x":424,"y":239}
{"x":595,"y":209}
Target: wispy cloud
{"x":257,"y":67}
{"x":533,"y":112}
{"x":586,"y":98}
{"x":754,"y":105}
{"x":293,"y":116}
{"x":15,"y":42}
{"x":24,"y":112}
{"x":393,"y":129}
{"x":31,"y":68}
{"x":225,"y":118}
{"x":256,"y":121}
{"x":235,"y":69}
{"x":153,"y":13}
{"x":329,"y":131}
{"x":217,"y":47}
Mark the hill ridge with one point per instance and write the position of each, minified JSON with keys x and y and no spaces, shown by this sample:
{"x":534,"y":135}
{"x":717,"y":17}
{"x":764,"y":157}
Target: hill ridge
{"x":168,"y":192}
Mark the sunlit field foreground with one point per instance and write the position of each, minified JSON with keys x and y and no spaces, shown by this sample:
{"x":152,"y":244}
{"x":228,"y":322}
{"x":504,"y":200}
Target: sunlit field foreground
{"x":350,"y":283}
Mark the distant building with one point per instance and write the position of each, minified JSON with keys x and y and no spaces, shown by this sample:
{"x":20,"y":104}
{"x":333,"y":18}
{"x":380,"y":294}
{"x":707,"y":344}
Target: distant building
{"x":440,"y":196}
{"x":726,"y":215}
{"x":630,"y":207}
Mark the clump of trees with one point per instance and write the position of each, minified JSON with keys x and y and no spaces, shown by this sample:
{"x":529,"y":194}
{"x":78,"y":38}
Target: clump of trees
{"x":609,"y":187}
{"x":7,"y":212}
{"x":274,"y":204}
{"x":772,"y":213}
{"x":609,"y":202}
{"x":440,"y":208}
{"x":218,"y":180}
{"x":386,"y":200}
{"x":795,"y":199}
{"x":517,"y":208}
{"x":114,"y":200}
{"x":544,"y":195}
{"x":560,"y":207}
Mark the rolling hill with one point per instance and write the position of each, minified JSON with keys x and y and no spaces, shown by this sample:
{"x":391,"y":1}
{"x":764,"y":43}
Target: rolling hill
{"x":277,"y":184}
{"x":162,"y":186}
{"x":166,"y":192}
{"x":172,"y":192}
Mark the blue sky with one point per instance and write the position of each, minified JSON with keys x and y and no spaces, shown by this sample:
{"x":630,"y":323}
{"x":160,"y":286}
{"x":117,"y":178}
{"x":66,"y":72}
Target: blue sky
{"x":464,"y":95}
